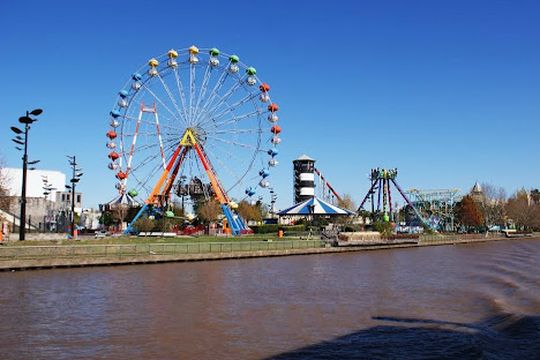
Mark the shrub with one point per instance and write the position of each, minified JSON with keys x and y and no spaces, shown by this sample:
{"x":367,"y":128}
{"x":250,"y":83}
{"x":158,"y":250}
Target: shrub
{"x":273,"y":228}
{"x":384,"y":227}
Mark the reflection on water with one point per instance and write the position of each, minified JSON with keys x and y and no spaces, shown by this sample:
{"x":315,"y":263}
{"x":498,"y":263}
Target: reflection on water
{"x":467,"y":301}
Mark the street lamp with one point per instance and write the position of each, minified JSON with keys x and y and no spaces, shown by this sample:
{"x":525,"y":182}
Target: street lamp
{"x":75,"y":177}
{"x":273,"y":198}
{"x":21,"y":138}
{"x":47,"y":190}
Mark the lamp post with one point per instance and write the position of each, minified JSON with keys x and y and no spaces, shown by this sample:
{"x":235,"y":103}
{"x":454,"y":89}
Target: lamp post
{"x":47,"y":189}
{"x":21,"y":138}
{"x":75,"y":177}
{"x":273,"y":198}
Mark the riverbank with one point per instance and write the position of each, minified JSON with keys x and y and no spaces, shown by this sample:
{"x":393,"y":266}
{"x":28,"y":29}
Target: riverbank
{"x":16,"y":257}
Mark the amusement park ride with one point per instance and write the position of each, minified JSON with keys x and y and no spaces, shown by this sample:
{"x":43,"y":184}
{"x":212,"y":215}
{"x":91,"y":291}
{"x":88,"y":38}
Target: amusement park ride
{"x":381,"y":189}
{"x":209,"y":117}
{"x":436,"y":206}
{"x":326,"y":190}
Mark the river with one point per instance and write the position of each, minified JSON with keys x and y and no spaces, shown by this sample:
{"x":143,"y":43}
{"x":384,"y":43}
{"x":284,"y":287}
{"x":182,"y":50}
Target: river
{"x":465,"y":301}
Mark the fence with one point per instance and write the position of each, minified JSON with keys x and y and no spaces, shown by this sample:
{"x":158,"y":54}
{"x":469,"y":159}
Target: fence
{"x":455,"y":238}
{"x":71,"y":251}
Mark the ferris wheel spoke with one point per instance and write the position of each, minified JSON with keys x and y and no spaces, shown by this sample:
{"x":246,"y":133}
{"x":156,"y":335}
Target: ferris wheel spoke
{"x":152,"y":157}
{"x":144,"y":133}
{"x":181,"y":92}
{"x":230,"y":155}
{"x":173,"y":100}
{"x":151,"y":174}
{"x":149,"y":122}
{"x":203,"y":88}
{"x":237,"y":118}
{"x":235,"y":131}
{"x":230,"y":142}
{"x":161,"y":102}
{"x":239,"y":103}
{"x":223,"y":99}
{"x":192,"y":87}
{"x":230,"y":172}
{"x":225,"y":153}
{"x":213,"y":93}
{"x":142,"y":148}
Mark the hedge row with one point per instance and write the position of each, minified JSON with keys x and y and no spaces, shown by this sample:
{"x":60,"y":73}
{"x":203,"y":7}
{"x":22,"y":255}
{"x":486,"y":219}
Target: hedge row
{"x":273,"y":228}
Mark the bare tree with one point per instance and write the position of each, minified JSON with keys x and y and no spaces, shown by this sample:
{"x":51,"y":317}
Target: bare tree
{"x":250,"y":212}
{"x":347,"y":202}
{"x":5,"y":199}
{"x":144,"y":224}
{"x":208,"y":211}
{"x":523,"y":211}
{"x":492,"y":205}
{"x":119,"y":213}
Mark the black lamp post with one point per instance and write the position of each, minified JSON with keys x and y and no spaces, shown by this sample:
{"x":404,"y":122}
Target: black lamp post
{"x":47,"y":190}
{"x":273,"y":198}
{"x":21,"y":138}
{"x":75,"y":177}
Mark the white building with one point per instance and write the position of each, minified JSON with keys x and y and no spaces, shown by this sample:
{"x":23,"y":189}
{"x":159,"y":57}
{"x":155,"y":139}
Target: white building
{"x":45,"y":213}
{"x":34,"y":182}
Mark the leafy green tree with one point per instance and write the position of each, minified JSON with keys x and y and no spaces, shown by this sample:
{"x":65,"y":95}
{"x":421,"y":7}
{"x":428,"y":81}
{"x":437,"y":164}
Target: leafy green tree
{"x":384,"y":227}
{"x":106,"y":219}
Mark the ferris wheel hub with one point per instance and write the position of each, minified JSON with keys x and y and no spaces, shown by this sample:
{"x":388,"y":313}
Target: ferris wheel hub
{"x":189,"y":138}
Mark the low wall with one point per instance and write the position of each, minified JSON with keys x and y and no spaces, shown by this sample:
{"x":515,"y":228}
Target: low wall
{"x":455,"y":238}
{"x":32,"y":257}
{"x":14,"y":237}
{"x":360,"y":235}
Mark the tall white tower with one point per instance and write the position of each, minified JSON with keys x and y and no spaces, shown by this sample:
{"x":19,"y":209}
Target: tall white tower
{"x":304,"y":178}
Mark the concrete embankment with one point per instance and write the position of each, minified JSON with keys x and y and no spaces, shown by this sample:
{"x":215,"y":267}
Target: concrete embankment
{"x":39,"y":257}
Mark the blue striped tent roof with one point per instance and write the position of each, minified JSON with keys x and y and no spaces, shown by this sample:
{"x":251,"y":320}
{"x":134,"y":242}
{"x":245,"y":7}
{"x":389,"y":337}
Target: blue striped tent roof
{"x":315,"y":206}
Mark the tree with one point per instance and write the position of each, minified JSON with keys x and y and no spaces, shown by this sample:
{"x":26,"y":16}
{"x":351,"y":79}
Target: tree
{"x":208,"y":211}
{"x":119,"y":213}
{"x":5,"y":199}
{"x":250,"y":212}
{"x":523,"y":211}
{"x":491,"y":205}
{"x":347,"y":202}
{"x":106,"y":219}
{"x":144,"y":224}
{"x":468,"y":213}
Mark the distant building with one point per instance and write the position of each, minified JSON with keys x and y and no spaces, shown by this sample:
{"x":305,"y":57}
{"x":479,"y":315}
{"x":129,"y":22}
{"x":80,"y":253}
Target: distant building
{"x":34,"y":182}
{"x":477,"y":193}
{"x":44,"y":212}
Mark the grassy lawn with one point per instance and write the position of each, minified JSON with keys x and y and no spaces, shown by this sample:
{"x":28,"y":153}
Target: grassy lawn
{"x":90,"y":240}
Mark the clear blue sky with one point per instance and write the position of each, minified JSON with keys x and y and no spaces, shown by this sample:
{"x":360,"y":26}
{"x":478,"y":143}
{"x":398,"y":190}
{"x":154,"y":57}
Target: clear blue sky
{"x":446,"y":91}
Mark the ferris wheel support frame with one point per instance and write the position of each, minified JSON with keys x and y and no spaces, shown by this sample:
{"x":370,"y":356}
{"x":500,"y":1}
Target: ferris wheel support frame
{"x":160,"y":193}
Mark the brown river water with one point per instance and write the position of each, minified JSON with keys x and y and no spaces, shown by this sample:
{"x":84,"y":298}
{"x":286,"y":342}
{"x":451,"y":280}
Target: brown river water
{"x":478,"y":301}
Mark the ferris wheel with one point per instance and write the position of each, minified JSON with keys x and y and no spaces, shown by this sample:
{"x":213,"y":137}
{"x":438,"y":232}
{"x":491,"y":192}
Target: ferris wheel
{"x":194,"y":114}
